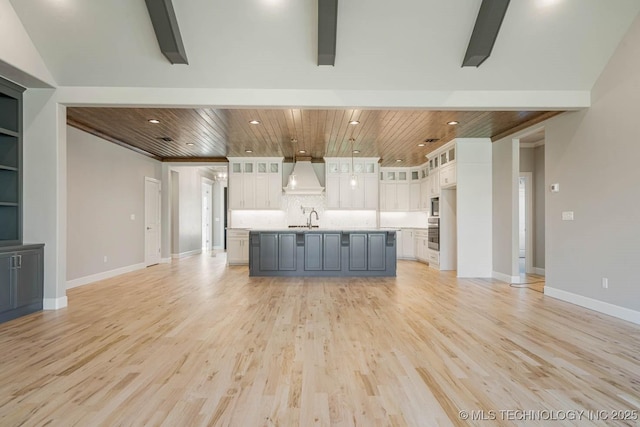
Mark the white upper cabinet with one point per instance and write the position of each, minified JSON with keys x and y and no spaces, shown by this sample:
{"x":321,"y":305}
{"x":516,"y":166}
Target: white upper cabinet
{"x":443,"y":170}
{"x":268,"y":184}
{"x":341,"y":192}
{"x":401,"y":189}
{"x":255,"y":183}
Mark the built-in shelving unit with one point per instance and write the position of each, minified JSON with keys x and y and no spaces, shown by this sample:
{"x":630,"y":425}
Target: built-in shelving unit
{"x":21,"y":266}
{"x":10,"y":161}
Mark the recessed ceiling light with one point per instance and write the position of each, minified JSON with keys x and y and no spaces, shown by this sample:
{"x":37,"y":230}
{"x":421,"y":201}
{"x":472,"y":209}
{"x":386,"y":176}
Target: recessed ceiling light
{"x":190,"y":144}
{"x":255,"y":122}
{"x":422,"y":144}
{"x":248,"y":151}
{"x":453,"y":122}
{"x":354,"y":122}
{"x":154,"y":121}
{"x":302,"y":151}
{"x":356,"y":151}
{"x":398,"y":160}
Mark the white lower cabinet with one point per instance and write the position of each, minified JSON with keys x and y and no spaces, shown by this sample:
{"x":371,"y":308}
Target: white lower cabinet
{"x":421,"y":245}
{"x":433,"y":258}
{"x":237,"y":247}
{"x":408,"y":244}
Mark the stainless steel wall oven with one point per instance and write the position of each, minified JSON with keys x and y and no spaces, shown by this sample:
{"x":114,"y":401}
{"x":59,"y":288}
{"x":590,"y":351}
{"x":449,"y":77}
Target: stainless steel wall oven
{"x":433,"y":233}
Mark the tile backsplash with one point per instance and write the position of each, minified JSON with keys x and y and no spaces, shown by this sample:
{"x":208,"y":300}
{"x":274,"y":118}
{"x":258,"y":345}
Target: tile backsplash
{"x":295,"y":211}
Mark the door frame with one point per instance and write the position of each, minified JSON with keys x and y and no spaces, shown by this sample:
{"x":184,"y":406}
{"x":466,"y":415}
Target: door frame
{"x":147,"y":258}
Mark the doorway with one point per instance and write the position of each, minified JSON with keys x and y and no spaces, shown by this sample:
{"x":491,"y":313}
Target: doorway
{"x":151,"y":221}
{"x":525,"y":223}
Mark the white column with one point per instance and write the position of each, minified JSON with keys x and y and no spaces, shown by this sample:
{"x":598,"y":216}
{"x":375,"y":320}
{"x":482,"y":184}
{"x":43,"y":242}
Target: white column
{"x":45,"y":188}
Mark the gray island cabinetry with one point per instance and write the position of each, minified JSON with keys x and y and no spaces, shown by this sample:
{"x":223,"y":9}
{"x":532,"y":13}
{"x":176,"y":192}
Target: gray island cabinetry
{"x":322,"y":253}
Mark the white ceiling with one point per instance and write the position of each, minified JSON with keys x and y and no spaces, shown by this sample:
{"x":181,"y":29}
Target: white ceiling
{"x":381,"y":44}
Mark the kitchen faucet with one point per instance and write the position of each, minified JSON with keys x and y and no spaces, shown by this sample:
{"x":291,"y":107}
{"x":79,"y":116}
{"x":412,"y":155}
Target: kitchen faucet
{"x":313,"y":211}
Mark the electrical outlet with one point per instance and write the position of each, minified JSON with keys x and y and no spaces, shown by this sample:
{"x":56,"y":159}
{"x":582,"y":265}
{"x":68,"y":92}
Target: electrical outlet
{"x":605,"y":283}
{"x":133,"y":217}
{"x":105,"y":258}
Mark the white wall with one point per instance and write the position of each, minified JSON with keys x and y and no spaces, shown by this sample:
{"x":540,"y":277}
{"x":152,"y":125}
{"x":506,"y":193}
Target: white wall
{"x":593,"y":155}
{"x":20,"y":61}
{"x":105,"y":186}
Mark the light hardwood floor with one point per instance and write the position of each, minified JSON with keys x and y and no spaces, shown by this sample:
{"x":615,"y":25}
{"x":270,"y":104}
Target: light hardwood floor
{"x":199,"y":343}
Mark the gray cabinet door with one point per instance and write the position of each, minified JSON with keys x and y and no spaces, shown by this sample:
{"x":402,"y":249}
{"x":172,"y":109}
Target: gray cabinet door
{"x":287,"y":252}
{"x":377,"y":251}
{"x":357,"y":252}
{"x":332,"y":252}
{"x":29,"y":283}
{"x":313,"y":251}
{"x":268,"y":252}
{"x":6,"y":285}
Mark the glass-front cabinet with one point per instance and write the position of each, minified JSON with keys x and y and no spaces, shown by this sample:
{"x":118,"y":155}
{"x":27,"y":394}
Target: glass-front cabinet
{"x":351,"y":183}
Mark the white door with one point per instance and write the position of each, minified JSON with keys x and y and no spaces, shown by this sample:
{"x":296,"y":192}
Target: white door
{"x":207,"y":205}
{"x":151,"y":221}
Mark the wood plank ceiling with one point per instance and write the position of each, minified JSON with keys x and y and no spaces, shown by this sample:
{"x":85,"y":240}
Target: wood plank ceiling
{"x":210,"y":134}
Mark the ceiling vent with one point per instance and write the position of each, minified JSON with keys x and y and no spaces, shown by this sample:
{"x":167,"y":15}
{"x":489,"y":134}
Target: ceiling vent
{"x":165,"y":138}
{"x":430,"y":140}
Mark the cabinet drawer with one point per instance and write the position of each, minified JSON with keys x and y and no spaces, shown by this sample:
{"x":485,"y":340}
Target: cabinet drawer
{"x":238,"y":233}
{"x":434,"y":257}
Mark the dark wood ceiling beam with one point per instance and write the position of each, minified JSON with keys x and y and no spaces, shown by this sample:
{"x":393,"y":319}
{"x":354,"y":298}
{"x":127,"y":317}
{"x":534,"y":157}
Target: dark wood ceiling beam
{"x":327,"y":29}
{"x":485,"y":32}
{"x":165,"y":25}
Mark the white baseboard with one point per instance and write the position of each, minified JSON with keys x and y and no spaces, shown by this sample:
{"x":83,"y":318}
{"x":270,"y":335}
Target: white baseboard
{"x":165,"y":260}
{"x":505,"y":277}
{"x":594,"y":304}
{"x":104,"y":275}
{"x":54,"y":303}
{"x":539,"y":271}
{"x":186,"y":254}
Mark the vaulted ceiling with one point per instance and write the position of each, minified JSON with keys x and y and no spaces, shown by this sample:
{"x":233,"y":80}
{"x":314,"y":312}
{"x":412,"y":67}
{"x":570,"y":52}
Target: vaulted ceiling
{"x":388,"y":54}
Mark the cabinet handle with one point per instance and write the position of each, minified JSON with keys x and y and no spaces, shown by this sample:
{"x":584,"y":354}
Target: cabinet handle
{"x":13,"y":261}
{"x":19,"y":261}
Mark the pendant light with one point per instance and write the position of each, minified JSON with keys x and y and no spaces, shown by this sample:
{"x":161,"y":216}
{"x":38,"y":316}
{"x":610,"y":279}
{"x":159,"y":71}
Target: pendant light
{"x":353,"y":180}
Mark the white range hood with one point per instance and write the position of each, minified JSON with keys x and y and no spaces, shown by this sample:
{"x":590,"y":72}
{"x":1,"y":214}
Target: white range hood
{"x":303,"y":180}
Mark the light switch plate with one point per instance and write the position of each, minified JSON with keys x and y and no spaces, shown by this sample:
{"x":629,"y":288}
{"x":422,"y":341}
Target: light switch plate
{"x":555,"y":188}
{"x":133,"y":217}
{"x":567,"y":216}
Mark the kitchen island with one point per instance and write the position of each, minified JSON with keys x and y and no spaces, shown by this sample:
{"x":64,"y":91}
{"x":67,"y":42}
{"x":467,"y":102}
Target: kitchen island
{"x":322,"y":253}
